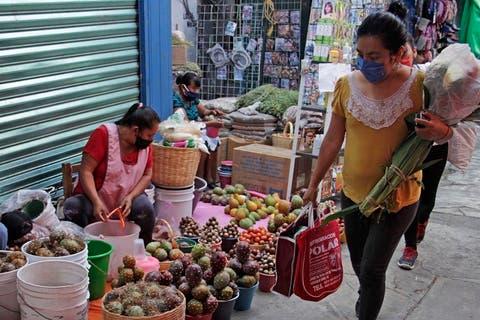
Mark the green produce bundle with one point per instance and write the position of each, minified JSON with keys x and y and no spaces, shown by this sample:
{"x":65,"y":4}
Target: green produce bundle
{"x":273,"y":101}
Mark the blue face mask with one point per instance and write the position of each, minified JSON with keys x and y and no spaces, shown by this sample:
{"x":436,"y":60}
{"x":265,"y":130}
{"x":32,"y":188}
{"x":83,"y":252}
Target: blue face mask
{"x":373,"y":71}
{"x":190,"y":95}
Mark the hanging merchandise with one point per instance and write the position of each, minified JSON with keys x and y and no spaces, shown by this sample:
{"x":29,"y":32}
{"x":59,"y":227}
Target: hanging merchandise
{"x":240,"y":57}
{"x":218,"y":55}
{"x":282,"y":48}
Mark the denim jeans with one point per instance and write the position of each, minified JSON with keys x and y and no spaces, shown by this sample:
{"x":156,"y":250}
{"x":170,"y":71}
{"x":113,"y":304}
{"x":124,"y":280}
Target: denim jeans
{"x":3,"y":237}
{"x":371,"y":245}
{"x":79,"y":210}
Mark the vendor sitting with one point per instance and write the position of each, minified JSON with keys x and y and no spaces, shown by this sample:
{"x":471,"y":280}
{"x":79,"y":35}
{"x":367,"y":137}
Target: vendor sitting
{"x":115,"y":171}
{"x":187,"y":98}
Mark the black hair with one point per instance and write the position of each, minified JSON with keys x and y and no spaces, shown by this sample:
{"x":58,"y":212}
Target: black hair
{"x":141,"y":116}
{"x":411,"y":41}
{"x":387,"y":27}
{"x":188,"y":78}
{"x":399,"y":9}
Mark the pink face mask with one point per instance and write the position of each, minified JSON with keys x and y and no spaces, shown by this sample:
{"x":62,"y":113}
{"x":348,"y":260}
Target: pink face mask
{"x":407,"y":61}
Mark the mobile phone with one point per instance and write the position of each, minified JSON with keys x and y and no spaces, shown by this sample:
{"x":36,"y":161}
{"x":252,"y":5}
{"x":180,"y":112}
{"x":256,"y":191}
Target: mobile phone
{"x":420,"y":115}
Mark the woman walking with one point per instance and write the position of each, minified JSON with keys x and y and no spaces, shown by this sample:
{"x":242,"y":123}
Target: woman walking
{"x":369,"y":108}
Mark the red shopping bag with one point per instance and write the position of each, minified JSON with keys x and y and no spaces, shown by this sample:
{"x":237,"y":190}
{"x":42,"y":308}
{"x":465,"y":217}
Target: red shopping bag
{"x":311,"y":263}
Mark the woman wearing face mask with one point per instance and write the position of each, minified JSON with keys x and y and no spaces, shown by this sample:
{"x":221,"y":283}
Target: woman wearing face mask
{"x":369,"y":107}
{"x":115,"y":171}
{"x":187,"y":99}
{"x":431,"y":179}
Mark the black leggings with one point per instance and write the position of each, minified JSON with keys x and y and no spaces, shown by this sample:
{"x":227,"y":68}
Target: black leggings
{"x":431,"y":179}
{"x":371,"y":247}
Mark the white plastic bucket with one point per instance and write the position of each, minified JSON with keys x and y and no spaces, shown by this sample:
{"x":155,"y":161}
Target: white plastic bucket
{"x":122,"y":239}
{"x":9,"y":308}
{"x":80,"y":257}
{"x":53,"y":289}
{"x":172,"y":205}
{"x":150,"y":192}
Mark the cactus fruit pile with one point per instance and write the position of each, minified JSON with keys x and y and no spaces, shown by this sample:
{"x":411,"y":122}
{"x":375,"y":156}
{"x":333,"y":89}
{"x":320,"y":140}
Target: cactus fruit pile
{"x":128,"y":273}
{"x":11,"y":261}
{"x":245,"y":267}
{"x":210,"y":233}
{"x":58,"y":244}
{"x":142,"y":299}
{"x":189,"y":227}
{"x":230,"y":230}
{"x":163,"y":250}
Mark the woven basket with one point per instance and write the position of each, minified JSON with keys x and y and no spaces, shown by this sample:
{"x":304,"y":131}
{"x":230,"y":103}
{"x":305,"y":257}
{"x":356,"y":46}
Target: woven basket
{"x":174,"y":167}
{"x":175,"y":314}
{"x":285,"y":139}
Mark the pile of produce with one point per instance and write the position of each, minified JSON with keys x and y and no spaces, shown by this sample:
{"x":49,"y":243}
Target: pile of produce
{"x":273,"y":101}
{"x":11,"y":261}
{"x":257,"y":237}
{"x":128,"y":273}
{"x":267,"y":263}
{"x":245,"y":267}
{"x":189,"y":227}
{"x":219,"y":196}
{"x":142,"y":299}
{"x":187,"y":274}
{"x":286,"y":212}
{"x":163,"y":250}
{"x":58,"y":244}
{"x":210,"y":233}
{"x":220,"y":279}
{"x":230,"y":230}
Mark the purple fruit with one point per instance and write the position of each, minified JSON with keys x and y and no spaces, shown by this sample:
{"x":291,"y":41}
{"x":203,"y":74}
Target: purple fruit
{"x":153,"y":276}
{"x":165,"y":279}
{"x":210,"y":305}
{"x":235,"y":265}
{"x":219,"y":261}
{"x":251,"y":267}
{"x":194,"y":275}
{"x":208,"y":276}
{"x":242,"y":251}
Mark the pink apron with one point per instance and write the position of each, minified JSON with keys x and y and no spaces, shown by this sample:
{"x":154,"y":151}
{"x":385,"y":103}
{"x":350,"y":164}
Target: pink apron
{"x":120,"y":178}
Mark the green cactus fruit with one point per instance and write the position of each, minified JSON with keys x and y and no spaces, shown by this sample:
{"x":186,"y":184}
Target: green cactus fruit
{"x":221,"y":280}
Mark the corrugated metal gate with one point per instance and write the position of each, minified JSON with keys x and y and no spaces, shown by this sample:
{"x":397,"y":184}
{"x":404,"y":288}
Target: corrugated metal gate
{"x":65,"y":67}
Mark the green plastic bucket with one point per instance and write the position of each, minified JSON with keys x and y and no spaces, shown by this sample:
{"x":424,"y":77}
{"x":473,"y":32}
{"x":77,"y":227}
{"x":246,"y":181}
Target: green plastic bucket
{"x":98,"y":257}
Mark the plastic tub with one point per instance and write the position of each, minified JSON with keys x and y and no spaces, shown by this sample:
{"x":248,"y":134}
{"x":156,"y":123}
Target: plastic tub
{"x":245,"y":298}
{"x":60,"y":294}
{"x":9,"y":307}
{"x":80,"y":257}
{"x":200,"y":186}
{"x":99,"y":253}
{"x":266,"y":282}
{"x":213,"y":132}
{"x":201,"y":317}
{"x":225,"y":180}
{"x":122,"y":239}
{"x":187,"y":244}
{"x":174,"y":204}
{"x":228,"y":244}
{"x":225,"y":309}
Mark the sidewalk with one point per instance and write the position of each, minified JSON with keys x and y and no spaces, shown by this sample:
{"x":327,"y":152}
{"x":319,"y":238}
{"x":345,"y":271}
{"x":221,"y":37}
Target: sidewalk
{"x":445,"y":285}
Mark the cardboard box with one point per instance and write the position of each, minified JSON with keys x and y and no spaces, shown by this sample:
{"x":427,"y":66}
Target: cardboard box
{"x":265,"y":169}
{"x":235,"y":142}
{"x":222,"y":151}
{"x":179,"y":55}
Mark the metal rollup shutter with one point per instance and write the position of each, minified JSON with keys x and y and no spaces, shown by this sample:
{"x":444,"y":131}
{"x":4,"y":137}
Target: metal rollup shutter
{"x":65,"y":67}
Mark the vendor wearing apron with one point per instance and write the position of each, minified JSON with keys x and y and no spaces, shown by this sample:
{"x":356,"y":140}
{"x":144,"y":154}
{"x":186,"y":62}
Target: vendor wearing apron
{"x":187,"y":98}
{"x":116,"y":169}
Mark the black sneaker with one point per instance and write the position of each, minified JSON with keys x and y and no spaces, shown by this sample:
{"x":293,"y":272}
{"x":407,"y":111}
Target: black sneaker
{"x":357,"y":308}
{"x":407,"y":261}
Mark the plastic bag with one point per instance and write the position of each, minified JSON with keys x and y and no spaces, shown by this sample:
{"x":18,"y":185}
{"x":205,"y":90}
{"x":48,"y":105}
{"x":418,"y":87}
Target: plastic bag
{"x":176,"y":129}
{"x":226,"y":105}
{"x":462,"y":145}
{"x":19,"y":199}
{"x":70,"y":228}
{"x":453,"y":81}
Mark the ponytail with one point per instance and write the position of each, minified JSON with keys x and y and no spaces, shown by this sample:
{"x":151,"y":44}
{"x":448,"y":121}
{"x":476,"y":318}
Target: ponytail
{"x":139,"y":115}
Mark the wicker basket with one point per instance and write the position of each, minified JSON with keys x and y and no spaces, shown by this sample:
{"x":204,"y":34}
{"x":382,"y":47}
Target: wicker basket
{"x":174,"y":167}
{"x":285,"y":139}
{"x":175,"y":314}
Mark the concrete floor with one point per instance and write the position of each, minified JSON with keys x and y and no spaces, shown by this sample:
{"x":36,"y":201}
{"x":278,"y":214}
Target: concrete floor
{"x":445,"y":285}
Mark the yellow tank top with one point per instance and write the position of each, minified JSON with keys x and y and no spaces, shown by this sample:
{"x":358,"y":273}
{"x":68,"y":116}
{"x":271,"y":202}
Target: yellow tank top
{"x":374,"y":130}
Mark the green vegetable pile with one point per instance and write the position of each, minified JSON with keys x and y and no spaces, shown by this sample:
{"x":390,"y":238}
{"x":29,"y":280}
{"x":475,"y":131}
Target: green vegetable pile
{"x":273,"y":101}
